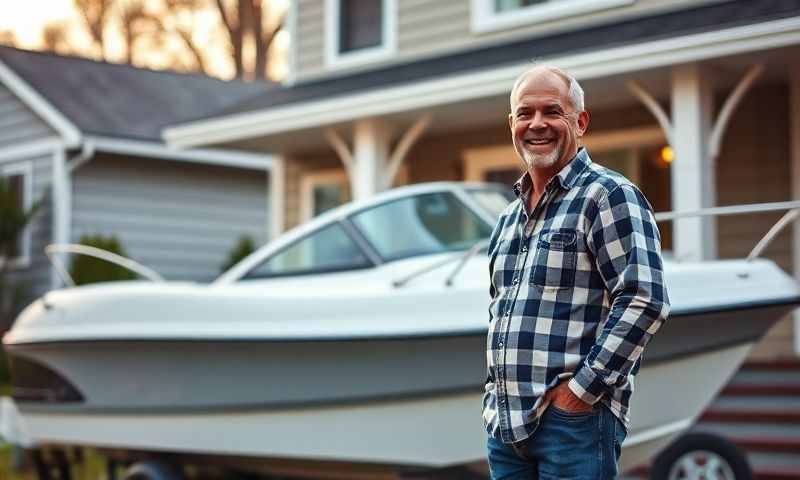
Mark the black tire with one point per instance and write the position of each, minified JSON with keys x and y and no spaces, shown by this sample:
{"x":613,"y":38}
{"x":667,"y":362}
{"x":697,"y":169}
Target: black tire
{"x":153,"y":470}
{"x":695,"y":444}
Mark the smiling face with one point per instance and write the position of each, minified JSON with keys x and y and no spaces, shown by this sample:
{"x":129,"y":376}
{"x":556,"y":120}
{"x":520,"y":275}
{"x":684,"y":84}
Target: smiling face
{"x":545,"y":127}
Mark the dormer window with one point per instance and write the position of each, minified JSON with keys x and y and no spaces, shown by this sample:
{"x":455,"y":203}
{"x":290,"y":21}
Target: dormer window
{"x":359,"y":31}
{"x":494,"y":15}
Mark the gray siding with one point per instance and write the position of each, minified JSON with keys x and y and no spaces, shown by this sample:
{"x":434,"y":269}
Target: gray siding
{"x":433,"y":27}
{"x":310,"y":36}
{"x":34,"y":279}
{"x":18,"y":124}
{"x":177,"y":218}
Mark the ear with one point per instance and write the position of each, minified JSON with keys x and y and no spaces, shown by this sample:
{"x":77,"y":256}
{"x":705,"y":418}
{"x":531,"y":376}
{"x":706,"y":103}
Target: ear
{"x":583,"y":122}
{"x":511,"y":122}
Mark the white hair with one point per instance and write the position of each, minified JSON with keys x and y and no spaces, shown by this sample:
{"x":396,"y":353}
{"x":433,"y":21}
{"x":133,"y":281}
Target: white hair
{"x":575,"y":89}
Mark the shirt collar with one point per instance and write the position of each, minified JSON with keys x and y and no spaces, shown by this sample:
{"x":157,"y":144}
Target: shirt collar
{"x":566,"y":177}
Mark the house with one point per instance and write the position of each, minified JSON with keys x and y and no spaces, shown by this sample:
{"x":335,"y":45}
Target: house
{"x":697,"y":101}
{"x":85,"y":138}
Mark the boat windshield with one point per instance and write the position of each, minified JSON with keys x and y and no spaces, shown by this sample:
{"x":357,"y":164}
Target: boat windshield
{"x":421,"y":225}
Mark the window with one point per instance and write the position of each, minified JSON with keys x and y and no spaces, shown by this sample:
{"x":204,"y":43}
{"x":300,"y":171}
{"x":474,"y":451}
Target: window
{"x":325,"y":189}
{"x":431,"y":223}
{"x":493,"y":15}
{"x":359,"y":30}
{"x":329,"y":249}
{"x":321,"y":191}
{"x":18,"y":181}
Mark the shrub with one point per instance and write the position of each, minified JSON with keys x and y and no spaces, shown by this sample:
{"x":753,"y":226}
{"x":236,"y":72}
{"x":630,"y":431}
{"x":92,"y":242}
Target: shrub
{"x":244,"y":247}
{"x":85,"y":269}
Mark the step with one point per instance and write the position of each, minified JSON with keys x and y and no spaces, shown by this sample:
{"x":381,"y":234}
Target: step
{"x":772,"y":365}
{"x":755,"y":432}
{"x":756,"y":389}
{"x":757,"y":402}
{"x":769,"y":377}
{"x":750,"y":415}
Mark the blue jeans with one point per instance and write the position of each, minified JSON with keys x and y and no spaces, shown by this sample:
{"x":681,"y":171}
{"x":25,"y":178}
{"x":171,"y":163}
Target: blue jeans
{"x":582,"y":446}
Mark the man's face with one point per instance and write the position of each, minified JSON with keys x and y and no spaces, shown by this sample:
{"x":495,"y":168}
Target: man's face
{"x":545,"y":127}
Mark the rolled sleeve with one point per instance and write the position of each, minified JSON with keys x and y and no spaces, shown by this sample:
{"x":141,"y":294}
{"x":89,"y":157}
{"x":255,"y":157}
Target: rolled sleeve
{"x":626,"y":246}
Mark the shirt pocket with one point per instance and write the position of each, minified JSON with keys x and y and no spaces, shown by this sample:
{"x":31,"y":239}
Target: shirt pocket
{"x":555,"y":260}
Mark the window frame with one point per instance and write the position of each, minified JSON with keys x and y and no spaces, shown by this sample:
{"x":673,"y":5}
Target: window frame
{"x":477,"y":162}
{"x":335,"y":58}
{"x":349,"y":231}
{"x":312,"y":180}
{"x":484,"y":19}
{"x":333,"y":176}
{"x":24,"y":169}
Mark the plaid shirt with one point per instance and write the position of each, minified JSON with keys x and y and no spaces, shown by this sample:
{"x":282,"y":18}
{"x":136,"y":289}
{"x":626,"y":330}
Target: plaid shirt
{"x":577,"y":290}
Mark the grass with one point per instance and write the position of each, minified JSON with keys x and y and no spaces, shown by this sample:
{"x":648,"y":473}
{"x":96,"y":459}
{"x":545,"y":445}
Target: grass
{"x":92,"y":467}
{"x":6,"y":472}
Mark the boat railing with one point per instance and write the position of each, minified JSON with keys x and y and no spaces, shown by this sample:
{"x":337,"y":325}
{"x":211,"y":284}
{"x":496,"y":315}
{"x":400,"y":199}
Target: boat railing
{"x":792,"y":208}
{"x":792,"y":212}
{"x":52,"y":251}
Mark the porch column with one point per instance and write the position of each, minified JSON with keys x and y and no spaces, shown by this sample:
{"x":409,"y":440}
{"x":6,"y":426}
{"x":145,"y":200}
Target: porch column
{"x":371,"y":143}
{"x":62,"y":208}
{"x":277,"y":196}
{"x":693,"y":171}
{"x":794,"y":152}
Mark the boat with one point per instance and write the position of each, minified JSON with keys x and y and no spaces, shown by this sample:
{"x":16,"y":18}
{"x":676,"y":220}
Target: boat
{"x":352,"y":343}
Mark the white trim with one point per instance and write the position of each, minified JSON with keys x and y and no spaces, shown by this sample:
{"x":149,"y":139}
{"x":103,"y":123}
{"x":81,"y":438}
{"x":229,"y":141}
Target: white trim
{"x":291,"y":22}
{"x":30,"y":149}
{"x":484,"y":18}
{"x":228,"y":158}
{"x":40,"y":105}
{"x":334,"y":58}
{"x":25,"y":169}
{"x":474,"y":85}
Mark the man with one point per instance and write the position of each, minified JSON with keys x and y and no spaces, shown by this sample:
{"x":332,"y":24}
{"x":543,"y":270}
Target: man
{"x":577,"y":291}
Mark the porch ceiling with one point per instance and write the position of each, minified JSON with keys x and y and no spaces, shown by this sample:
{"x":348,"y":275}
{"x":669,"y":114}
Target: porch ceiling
{"x":605,"y":93}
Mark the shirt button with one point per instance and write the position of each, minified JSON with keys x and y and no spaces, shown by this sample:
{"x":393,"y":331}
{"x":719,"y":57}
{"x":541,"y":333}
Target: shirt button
{"x":515,"y":281}
{"x":500,"y":344}
{"x":524,"y":248}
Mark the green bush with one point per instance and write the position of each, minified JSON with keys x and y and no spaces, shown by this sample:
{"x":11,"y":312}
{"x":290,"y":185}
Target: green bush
{"x":244,"y":247}
{"x":85,"y":269}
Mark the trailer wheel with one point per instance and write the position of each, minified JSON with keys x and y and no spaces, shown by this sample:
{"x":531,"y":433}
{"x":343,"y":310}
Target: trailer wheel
{"x":153,"y":470}
{"x":701,"y":455}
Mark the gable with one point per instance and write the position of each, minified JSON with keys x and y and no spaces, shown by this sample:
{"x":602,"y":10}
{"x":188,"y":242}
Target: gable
{"x":18,"y":123}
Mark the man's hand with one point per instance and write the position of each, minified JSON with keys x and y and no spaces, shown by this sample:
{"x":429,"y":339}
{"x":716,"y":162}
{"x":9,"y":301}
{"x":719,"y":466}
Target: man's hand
{"x":563,"y":398}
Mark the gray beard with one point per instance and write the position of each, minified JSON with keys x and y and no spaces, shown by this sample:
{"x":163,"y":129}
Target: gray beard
{"x":542,"y":161}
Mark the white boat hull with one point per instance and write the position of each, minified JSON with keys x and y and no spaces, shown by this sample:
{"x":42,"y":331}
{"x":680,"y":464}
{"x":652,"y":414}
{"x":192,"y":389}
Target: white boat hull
{"x":438,"y":431}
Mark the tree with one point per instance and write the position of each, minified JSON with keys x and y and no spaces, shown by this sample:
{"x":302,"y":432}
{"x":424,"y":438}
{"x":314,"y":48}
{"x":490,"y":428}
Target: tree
{"x":95,"y":15}
{"x":175,"y":33}
{"x":54,"y":38}
{"x":8,"y":38}
{"x":249,"y":19}
{"x":14,"y":217}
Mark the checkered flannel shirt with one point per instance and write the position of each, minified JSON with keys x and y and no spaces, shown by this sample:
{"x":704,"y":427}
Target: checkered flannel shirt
{"x":577,"y":290}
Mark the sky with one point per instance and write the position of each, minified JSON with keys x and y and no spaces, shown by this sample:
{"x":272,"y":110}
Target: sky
{"x":27,"y":19}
